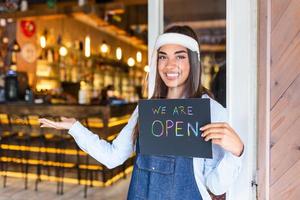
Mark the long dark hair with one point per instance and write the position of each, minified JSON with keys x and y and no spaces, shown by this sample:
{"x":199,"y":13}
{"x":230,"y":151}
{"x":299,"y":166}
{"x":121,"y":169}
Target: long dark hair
{"x":194,"y":87}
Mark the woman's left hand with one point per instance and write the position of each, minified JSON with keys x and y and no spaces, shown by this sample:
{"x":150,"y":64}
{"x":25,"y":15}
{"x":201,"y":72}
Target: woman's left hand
{"x":223,"y":135}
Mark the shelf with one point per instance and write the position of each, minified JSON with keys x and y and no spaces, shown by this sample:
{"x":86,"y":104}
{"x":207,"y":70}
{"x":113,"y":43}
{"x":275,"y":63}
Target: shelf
{"x":48,"y":78}
{"x":212,"y":48}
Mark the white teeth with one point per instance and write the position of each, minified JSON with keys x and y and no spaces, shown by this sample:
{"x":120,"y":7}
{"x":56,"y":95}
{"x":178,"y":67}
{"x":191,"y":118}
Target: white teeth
{"x":172,"y":74}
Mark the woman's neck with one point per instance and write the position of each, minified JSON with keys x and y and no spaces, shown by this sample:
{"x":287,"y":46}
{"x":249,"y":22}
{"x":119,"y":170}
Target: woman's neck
{"x":176,"y":93}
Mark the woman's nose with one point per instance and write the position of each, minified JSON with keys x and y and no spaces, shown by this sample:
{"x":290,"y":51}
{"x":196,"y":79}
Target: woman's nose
{"x":171,"y":63}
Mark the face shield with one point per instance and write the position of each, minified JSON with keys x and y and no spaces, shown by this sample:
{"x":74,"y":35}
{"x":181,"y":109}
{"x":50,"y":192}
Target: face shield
{"x":176,"y":67}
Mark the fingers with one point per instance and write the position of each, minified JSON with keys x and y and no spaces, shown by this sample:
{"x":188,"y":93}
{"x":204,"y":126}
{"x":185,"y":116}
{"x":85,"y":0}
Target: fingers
{"x":41,"y":120}
{"x":215,"y":125}
{"x":212,"y":136}
{"x":223,"y":135}
{"x":66,"y":123}
{"x":214,"y":130}
{"x":46,"y":123}
{"x":47,"y":126}
{"x":63,"y":118}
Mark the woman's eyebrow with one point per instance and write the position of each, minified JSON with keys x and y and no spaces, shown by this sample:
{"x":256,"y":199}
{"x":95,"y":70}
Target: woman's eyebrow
{"x":161,"y":52}
{"x":176,"y":52}
{"x":181,"y":51}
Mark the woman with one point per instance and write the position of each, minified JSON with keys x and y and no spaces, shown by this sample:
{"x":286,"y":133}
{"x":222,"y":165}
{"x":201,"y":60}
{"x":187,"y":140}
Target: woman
{"x":176,"y":57}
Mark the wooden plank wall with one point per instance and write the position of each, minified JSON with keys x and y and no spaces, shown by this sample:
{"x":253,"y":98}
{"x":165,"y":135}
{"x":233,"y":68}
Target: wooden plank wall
{"x":285,"y":100}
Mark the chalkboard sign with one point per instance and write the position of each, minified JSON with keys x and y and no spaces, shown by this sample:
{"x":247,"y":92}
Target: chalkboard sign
{"x":172,"y":127}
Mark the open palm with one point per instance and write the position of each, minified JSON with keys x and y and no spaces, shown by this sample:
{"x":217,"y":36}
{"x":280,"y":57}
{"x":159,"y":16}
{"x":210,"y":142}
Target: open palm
{"x":65,"y":123}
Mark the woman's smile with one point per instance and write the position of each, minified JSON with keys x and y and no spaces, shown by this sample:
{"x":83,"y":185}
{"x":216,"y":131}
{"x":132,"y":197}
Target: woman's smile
{"x":172,"y":75}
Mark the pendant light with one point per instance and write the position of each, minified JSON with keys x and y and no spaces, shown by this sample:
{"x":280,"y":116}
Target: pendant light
{"x":43,"y":42}
{"x":146,"y":69}
{"x":63,"y":51}
{"x":131,"y":62}
{"x":119,"y":53}
{"x":15,"y":46}
{"x":139,"y":56}
{"x":104,"y":48}
{"x":43,"y":39}
{"x":87,"y":46}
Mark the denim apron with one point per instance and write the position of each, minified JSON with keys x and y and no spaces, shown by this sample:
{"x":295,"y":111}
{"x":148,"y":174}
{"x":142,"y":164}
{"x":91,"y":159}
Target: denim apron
{"x":163,"y":178}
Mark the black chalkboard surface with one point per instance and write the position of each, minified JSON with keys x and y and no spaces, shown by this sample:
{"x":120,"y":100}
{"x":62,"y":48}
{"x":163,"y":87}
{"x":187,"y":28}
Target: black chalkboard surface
{"x":171,"y":127}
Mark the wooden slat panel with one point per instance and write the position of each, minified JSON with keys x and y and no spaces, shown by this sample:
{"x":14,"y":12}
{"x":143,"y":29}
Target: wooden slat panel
{"x":285,"y":153}
{"x":278,"y":8}
{"x":287,"y":187}
{"x":286,"y":112}
{"x":286,"y":29}
{"x":285,"y":99}
{"x":284,"y":72}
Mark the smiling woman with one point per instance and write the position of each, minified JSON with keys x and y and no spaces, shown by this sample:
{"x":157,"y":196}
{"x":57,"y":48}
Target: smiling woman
{"x":175,"y":73}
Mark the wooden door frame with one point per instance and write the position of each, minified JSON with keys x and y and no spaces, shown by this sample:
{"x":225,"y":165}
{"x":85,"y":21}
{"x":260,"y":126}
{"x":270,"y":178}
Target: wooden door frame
{"x":264,"y":93}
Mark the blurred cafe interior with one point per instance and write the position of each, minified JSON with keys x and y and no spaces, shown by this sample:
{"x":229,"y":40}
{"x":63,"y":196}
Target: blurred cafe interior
{"x":85,"y":59}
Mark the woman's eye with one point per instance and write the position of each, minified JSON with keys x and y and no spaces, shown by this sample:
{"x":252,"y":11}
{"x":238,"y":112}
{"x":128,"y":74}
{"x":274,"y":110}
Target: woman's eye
{"x":180,"y":57}
{"x":161,"y":57}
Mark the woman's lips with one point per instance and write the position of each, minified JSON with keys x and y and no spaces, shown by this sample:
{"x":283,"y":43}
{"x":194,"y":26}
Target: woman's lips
{"x":172,"y":75}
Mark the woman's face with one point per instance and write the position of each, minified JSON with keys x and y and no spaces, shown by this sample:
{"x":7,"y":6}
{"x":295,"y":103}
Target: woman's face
{"x":173,"y":65}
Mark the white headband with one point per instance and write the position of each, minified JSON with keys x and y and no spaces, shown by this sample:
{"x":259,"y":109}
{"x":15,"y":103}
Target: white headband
{"x":163,"y":39}
{"x":177,"y":38}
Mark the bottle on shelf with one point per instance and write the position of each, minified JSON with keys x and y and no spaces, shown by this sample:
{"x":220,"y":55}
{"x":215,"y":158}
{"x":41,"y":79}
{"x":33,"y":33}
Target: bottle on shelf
{"x":11,"y":86}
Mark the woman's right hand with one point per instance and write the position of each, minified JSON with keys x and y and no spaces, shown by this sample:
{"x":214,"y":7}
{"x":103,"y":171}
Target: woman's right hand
{"x":65,"y":123}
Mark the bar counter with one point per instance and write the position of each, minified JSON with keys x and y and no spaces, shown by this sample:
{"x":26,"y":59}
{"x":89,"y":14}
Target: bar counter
{"x":106,"y":115}
{"x":67,"y":110}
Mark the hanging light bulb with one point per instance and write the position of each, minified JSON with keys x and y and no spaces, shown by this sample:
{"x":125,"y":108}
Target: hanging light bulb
{"x":119,"y":53}
{"x":131,"y":62}
{"x":87,"y":46}
{"x":63,"y":51}
{"x":146,"y":68}
{"x":2,"y":22}
{"x":43,"y":41}
{"x":139,"y":56}
{"x":15,"y":46}
{"x":104,"y":48}
{"x":5,"y":40}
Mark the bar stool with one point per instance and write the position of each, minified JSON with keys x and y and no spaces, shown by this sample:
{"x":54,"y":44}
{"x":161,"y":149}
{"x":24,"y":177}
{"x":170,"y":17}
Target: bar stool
{"x":57,"y":140}
{"x":85,"y":166}
{"x":68,"y":140}
{"x":24,"y":138}
{"x":15,"y":156}
{"x":43,"y":157}
{"x":65,"y":139}
{"x":50,"y":139}
{"x":93,"y":124}
{"x":6,"y":138}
